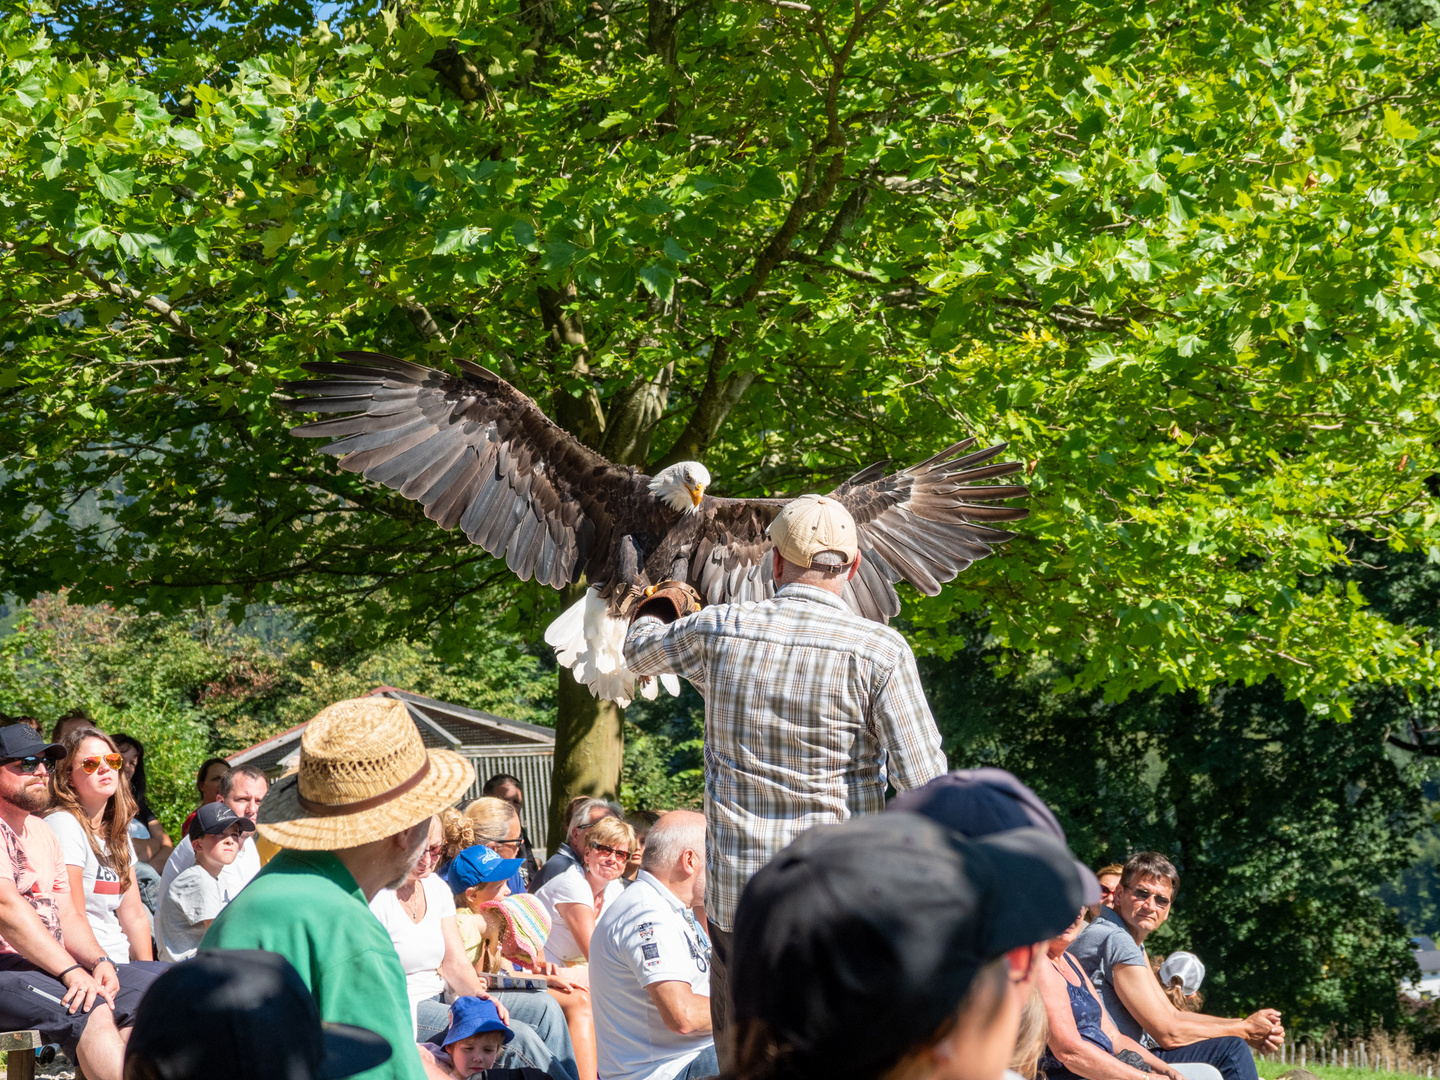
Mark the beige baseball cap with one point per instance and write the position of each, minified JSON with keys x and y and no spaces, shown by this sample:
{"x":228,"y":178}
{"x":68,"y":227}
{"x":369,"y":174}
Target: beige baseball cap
{"x":813,"y":524}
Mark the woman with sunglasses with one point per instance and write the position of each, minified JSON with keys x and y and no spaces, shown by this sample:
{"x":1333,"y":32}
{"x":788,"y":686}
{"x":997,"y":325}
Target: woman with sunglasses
{"x":91,"y":818}
{"x":576,"y":897}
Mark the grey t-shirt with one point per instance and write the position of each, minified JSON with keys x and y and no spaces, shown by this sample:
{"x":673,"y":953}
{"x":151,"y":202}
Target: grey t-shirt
{"x":1101,"y":947}
{"x":192,"y":899}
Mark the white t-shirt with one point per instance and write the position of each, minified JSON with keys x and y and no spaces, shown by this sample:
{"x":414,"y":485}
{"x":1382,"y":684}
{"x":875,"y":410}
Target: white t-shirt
{"x":421,"y":945}
{"x":641,"y":939}
{"x":102,"y":885}
{"x":570,"y":887}
{"x":193,"y":898}
{"x":232,"y":879}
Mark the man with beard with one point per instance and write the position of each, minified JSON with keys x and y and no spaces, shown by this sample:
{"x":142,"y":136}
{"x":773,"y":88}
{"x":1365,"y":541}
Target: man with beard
{"x":650,"y":964}
{"x":54,"y":976}
{"x":352,"y":821}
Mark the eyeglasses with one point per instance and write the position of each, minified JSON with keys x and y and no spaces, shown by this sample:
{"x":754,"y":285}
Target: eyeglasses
{"x":91,"y":764}
{"x":27,"y":765}
{"x":1161,"y":900}
{"x":497,"y":841}
{"x":607,"y":850}
{"x":433,"y":852}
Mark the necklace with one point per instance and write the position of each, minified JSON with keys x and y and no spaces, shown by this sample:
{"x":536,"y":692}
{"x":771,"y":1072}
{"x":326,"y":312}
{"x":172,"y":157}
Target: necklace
{"x":415,"y":910}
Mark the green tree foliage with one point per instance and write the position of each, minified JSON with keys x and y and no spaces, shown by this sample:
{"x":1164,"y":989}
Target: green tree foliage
{"x":1183,"y":255}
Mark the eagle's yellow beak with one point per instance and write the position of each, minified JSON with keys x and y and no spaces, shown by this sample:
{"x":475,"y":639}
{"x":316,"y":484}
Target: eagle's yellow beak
{"x":697,"y":493}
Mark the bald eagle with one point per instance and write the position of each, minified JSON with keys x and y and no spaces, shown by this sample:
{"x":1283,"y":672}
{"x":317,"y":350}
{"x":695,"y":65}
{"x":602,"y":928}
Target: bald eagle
{"x":477,"y":453}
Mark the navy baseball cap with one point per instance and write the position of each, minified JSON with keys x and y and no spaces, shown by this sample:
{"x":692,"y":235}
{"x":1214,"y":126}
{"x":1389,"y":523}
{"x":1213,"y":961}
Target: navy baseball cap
{"x":879,"y":925}
{"x":250,"y":1011}
{"x":478,"y":865}
{"x":472,"y":1015}
{"x":214,"y":818}
{"x":983,"y":802}
{"x":20,"y":741}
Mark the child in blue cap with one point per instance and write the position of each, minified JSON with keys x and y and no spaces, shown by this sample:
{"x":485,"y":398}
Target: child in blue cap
{"x":473,"y":1042}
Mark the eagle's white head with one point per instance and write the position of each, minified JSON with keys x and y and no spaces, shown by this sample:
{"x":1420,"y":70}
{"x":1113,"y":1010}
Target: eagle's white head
{"x":681,"y":486}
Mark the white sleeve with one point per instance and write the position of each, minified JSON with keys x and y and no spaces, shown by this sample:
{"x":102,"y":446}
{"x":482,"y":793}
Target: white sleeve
{"x":570,"y":888}
{"x":657,"y":950}
{"x":438,"y":894}
{"x":71,"y":835}
{"x":181,"y":859}
{"x":383,"y":906}
{"x":195,"y":897}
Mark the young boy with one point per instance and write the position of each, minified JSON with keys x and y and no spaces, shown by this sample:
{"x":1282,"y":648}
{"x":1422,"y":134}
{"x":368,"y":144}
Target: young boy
{"x":473,"y":1042}
{"x":193,"y":899}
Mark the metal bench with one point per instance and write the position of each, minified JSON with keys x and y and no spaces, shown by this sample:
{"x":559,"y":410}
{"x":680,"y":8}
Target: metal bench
{"x":19,"y":1049}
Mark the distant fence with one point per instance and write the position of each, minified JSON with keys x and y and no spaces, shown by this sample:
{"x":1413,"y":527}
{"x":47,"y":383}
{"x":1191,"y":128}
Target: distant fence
{"x":1380,"y":1053}
{"x":532,"y":769}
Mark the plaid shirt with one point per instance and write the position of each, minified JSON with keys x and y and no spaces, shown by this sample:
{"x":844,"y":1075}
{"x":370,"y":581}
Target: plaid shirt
{"x":809,"y":710}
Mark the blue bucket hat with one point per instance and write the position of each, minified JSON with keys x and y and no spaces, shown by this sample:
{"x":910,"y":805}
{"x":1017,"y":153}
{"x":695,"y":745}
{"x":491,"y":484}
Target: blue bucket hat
{"x":478,"y":866}
{"x":472,"y":1015}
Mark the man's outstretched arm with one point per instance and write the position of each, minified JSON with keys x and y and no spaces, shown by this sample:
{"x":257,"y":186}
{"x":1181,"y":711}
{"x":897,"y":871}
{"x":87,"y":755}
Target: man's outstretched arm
{"x":906,"y":729}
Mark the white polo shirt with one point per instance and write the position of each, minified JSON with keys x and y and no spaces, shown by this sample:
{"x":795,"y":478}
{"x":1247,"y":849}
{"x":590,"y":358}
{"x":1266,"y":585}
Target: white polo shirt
{"x":644,"y":937}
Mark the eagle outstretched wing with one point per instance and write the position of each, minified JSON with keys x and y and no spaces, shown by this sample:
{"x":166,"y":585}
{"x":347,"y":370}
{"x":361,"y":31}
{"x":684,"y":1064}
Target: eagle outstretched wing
{"x":921,"y":525}
{"x":477,"y":453}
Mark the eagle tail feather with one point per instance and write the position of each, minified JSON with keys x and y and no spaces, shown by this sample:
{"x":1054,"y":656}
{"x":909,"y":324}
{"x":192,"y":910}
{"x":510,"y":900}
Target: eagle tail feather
{"x":590,"y":641}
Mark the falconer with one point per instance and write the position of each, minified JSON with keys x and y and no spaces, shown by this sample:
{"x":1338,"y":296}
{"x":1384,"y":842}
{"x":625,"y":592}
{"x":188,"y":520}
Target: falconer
{"x":809,"y":709}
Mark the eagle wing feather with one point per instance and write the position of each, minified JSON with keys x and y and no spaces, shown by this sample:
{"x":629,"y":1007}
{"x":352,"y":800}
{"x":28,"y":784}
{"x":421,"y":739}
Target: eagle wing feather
{"x":475,"y":452}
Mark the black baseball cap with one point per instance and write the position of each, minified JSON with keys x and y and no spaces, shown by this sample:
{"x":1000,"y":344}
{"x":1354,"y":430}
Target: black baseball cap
{"x":214,"y":818}
{"x":983,"y":802}
{"x":21,"y":741}
{"x":249,"y":1011}
{"x":879,"y":925}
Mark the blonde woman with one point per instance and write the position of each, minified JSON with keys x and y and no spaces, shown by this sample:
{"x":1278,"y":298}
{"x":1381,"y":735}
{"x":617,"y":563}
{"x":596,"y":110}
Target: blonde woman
{"x":576,"y":897}
{"x":93,"y":808}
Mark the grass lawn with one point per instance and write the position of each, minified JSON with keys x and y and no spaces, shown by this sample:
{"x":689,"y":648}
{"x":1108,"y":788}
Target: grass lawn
{"x":1269,"y":1070}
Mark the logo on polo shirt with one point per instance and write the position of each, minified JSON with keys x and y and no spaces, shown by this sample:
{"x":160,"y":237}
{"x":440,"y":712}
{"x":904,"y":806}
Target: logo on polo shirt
{"x":647,"y":931}
{"x":650,"y":954}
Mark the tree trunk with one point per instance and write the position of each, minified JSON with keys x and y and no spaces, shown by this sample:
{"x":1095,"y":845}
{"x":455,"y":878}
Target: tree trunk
{"x":589,"y":749}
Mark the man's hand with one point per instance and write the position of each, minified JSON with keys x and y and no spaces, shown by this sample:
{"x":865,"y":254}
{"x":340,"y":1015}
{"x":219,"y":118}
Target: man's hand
{"x":107,"y":975}
{"x":1263,"y":1030}
{"x":81,"y":989}
{"x":667,"y":601}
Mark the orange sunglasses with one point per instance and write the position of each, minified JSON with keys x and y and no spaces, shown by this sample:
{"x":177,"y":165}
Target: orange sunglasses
{"x":90,"y":764}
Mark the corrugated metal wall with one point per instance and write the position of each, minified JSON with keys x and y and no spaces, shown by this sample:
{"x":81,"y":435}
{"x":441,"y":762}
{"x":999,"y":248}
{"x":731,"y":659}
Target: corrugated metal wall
{"x":533,"y":770}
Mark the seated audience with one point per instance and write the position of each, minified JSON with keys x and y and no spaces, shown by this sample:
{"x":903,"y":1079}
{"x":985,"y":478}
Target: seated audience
{"x":1181,"y":974}
{"x":207,"y":783}
{"x":352,"y":820}
{"x":641,"y":821}
{"x":509,"y":789}
{"x":155,"y":848}
{"x":54,"y":976}
{"x":91,"y":819}
{"x":494,"y":823}
{"x":512,"y":935}
{"x":242,"y":789}
{"x":473,"y":1041}
{"x":194,"y":898}
{"x":1083,"y":1043}
{"x":650,"y":963}
{"x":1111,"y":952}
{"x":580,"y":815}
{"x":246,"y":1015}
{"x":419,"y":915}
{"x":576,"y":898}
{"x":888,"y":946}
{"x":1109,"y":878}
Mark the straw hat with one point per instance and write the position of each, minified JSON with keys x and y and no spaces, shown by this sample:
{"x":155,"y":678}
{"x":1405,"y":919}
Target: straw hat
{"x":364,"y":775}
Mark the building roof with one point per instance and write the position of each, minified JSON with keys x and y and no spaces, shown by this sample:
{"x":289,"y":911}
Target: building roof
{"x":441,"y":724}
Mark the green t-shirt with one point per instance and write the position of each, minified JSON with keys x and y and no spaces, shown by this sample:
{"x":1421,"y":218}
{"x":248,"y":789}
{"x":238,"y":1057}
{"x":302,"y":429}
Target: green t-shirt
{"x":306,"y":906}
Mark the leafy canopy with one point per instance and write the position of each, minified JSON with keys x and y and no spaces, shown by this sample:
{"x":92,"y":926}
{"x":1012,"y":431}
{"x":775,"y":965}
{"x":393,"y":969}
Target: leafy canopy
{"x":1183,"y":256}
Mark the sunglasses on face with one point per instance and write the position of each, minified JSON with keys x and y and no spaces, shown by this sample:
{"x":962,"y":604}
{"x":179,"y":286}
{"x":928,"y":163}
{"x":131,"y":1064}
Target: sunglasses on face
{"x":433,"y":852}
{"x":606,"y":849}
{"x":27,"y":765}
{"x":1161,"y":900}
{"x":91,"y":764}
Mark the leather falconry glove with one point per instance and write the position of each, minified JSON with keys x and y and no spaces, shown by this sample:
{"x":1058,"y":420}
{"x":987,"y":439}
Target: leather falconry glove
{"x":667,"y":601}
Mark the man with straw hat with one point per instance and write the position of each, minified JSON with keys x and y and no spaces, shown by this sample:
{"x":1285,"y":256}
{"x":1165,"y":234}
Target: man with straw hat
{"x":351,"y":822}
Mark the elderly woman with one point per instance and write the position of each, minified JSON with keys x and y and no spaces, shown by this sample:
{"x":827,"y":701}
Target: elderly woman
{"x":419,"y":915}
{"x":576,"y":897}
{"x":1084,"y":1042}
